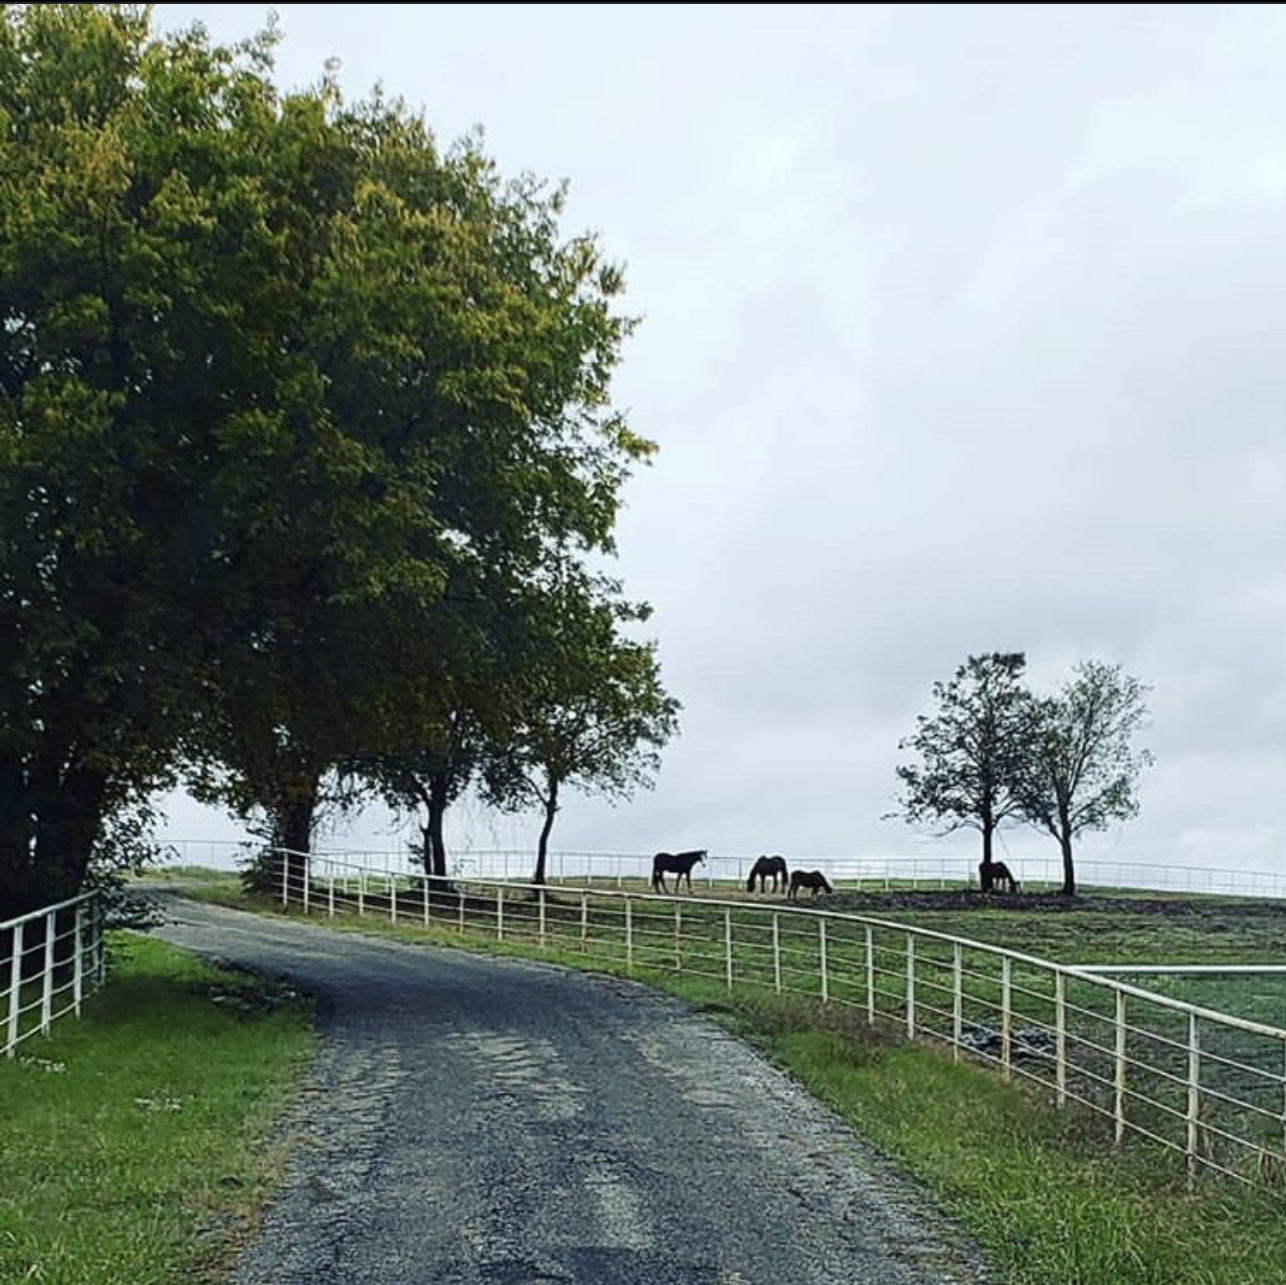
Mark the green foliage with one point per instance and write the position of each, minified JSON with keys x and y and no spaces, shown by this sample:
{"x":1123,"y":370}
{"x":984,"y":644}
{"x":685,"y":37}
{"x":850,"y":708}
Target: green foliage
{"x":1082,"y":768}
{"x":590,"y":710}
{"x":971,"y":750}
{"x":294,"y":403}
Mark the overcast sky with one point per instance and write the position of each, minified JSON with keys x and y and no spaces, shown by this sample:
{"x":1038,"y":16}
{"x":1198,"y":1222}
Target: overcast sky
{"x":965,"y":330}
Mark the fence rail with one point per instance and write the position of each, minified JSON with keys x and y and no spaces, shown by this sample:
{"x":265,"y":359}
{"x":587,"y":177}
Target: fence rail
{"x":50,"y":960}
{"x":617,"y":869}
{"x":1204,"y":1085}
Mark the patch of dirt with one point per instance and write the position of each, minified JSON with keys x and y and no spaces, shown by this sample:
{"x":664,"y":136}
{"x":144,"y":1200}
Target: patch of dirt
{"x":1046,"y":903}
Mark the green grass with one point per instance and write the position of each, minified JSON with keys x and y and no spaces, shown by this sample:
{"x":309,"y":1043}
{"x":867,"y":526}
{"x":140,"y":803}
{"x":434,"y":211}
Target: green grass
{"x":136,"y":1142}
{"x":1049,"y":1204}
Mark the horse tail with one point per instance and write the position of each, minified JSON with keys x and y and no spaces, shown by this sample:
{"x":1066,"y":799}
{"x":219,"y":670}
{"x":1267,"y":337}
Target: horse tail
{"x":826,"y":884}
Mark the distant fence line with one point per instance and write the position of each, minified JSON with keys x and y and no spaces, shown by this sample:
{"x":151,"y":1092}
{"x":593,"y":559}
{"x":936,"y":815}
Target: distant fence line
{"x":1205,"y":1085}
{"x":50,"y":960}
{"x":865,"y":873}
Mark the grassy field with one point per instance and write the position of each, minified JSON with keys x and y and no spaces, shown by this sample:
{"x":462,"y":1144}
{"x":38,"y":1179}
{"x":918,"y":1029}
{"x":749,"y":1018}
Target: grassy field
{"x":1043,"y":1190}
{"x":136,"y":1142}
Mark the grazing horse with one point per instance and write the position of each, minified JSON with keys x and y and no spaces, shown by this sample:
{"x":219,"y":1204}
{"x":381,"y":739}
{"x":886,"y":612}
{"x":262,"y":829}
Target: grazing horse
{"x":997,"y":877}
{"x":678,"y":864}
{"x":813,"y":879}
{"x":764,"y":869}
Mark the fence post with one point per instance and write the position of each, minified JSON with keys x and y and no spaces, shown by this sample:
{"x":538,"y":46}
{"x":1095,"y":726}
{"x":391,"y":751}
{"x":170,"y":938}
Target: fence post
{"x":392,"y":899}
{"x":727,"y":943}
{"x":870,"y":976}
{"x":285,"y":881}
{"x":678,"y":952}
{"x":459,"y":897}
{"x":1060,"y":1036}
{"x":910,"y":987}
{"x":584,"y":921}
{"x":776,"y":952}
{"x":1119,"y":1111}
{"x":47,"y":989}
{"x":1006,"y":1015}
{"x":629,"y":935}
{"x":618,"y":869}
{"x":15,"y":990}
{"x":542,"y":918}
{"x":78,"y":946}
{"x":500,"y":912}
{"x":957,"y":999}
{"x":1194,"y":1090}
{"x":361,"y":893}
{"x":307,"y":883}
{"x":100,"y":941}
{"x":821,"y":948}
{"x":425,"y":890}
{"x":330,"y":896}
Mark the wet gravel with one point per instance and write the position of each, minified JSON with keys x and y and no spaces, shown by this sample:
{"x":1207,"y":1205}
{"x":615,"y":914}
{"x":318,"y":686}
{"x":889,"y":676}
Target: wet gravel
{"x":480,"y":1121}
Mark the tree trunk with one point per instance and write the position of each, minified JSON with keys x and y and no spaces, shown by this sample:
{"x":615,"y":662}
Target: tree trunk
{"x":17,"y":835}
{"x":69,"y":816}
{"x":435,"y":842}
{"x":986,"y":871}
{"x":1069,"y":869}
{"x":542,"y":848}
{"x":293,"y":824}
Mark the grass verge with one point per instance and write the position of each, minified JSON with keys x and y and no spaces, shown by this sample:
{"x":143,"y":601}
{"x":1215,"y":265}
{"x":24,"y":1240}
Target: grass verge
{"x":137,"y":1141}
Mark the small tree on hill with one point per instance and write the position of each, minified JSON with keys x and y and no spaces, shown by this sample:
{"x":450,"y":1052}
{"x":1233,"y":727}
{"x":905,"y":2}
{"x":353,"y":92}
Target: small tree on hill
{"x":593,"y":713}
{"x":971,"y":751}
{"x":1082,"y":769}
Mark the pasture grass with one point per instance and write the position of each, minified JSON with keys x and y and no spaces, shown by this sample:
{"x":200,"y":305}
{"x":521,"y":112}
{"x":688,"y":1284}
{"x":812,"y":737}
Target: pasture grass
{"x":1042,"y":1190}
{"x":136,"y":1142}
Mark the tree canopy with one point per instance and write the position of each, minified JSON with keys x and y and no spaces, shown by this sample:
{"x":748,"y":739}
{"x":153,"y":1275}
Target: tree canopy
{"x":970,"y":750}
{"x":292,"y":403}
{"x":591,"y":712}
{"x":1080,"y":774}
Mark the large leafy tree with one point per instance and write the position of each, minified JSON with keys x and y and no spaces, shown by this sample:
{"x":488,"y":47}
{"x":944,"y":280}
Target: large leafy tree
{"x":970,"y":751}
{"x":284,"y":388}
{"x":1081,"y":772}
{"x":591,"y":711}
{"x":135,"y":318}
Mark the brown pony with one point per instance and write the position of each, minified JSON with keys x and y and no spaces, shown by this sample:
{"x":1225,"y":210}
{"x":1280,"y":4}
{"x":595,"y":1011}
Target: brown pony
{"x":813,"y":879}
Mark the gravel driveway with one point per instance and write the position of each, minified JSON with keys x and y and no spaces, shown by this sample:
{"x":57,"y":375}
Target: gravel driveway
{"x":498,"y":1122}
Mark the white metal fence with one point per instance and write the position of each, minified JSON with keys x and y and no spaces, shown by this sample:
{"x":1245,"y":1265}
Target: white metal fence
{"x":1204,"y":1085}
{"x":50,"y":960}
{"x":878,"y":873}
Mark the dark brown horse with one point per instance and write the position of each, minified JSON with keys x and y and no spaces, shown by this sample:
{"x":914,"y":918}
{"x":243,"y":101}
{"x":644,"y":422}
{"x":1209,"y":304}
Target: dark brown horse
{"x":813,"y":879}
{"x":767,"y":868}
{"x":678,"y":864}
{"x":995,"y":876}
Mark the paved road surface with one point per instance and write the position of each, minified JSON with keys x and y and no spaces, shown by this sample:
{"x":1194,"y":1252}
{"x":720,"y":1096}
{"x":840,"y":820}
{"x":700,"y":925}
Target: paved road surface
{"x":478,"y":1121}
